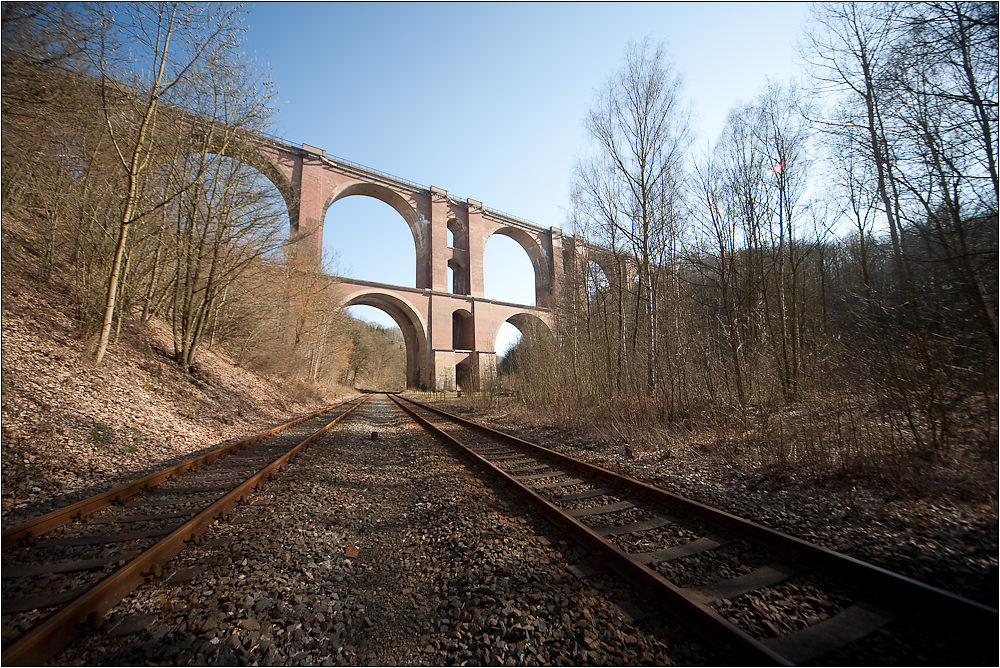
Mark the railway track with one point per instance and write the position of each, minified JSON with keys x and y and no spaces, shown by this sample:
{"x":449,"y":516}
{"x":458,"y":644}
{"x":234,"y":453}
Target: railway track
{"x":68,"y":567}
{"x":759,"y":596}
{"x":763,"y":596}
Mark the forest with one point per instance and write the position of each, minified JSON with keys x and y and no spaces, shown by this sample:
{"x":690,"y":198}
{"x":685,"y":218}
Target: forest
{"x":819,"y":288}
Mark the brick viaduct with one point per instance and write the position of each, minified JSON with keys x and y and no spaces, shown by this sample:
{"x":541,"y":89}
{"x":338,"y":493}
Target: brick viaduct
{"x":449,"y":335}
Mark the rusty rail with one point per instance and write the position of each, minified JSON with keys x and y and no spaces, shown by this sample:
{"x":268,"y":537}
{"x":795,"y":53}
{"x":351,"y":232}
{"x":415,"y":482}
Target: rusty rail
{"x":701,"y":617}
{"x":57,"y":518}
{"x":44,"y":640}
{"x":906,"y":591}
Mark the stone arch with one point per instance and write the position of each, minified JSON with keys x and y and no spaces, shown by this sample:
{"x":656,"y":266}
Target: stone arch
{"x":538,"y":257}
{"x":463,"y":330}
{"x":525,"y":322}
{"x":273,"y":173}
{"x":267,"y":167}
{"x":604,"y":261}
{"x":595,"y":276}
{"x":410,"y":323}
{"x":528,"y":321}
{"x":459,"y":234}
{"x":414,"y":220}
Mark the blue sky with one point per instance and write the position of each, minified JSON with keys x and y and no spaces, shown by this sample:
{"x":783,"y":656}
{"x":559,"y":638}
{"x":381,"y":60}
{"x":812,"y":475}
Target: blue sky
{"x":488,"y":100}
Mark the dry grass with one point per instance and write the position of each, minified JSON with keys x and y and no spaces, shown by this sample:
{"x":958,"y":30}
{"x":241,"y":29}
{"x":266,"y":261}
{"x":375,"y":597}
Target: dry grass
{"x":841,"y":443}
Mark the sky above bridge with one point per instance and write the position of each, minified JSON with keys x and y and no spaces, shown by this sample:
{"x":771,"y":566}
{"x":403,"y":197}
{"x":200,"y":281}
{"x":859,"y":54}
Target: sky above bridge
{"x":488,"y":101}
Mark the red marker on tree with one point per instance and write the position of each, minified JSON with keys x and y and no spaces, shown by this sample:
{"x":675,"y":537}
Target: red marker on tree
{"x":775,"y":170}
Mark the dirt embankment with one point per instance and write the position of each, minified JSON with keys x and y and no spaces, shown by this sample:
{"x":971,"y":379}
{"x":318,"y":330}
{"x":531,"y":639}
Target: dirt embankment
{"x":70,"y":428}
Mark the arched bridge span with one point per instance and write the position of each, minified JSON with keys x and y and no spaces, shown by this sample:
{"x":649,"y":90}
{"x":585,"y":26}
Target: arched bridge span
{"x":449,"y":335}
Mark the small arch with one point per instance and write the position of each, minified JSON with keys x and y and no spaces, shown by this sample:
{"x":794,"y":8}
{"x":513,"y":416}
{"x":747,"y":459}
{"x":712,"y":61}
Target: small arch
{"x":463,"y":331}
{"x":458,"y":236}
{"x":410,"y":324}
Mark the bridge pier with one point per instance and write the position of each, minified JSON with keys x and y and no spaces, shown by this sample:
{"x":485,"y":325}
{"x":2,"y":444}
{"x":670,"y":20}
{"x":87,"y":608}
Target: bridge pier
{"x":468,"y":370}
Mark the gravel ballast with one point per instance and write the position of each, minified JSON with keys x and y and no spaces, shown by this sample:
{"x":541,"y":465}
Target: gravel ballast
{"x":378,"y":546}
{"x":946,"y":542}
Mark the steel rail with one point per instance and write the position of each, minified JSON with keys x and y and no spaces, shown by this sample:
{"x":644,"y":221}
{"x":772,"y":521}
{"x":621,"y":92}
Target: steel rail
{"x":44,"y":640}
{"x":904,"y":591}
{"x":39,"y":525}
{"x":660,"y":590}
{"x":901,"y":584}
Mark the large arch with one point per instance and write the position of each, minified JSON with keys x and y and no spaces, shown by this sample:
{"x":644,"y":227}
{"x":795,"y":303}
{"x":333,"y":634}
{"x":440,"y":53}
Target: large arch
{"x":525,"y":322}
{"x":364,"y":238}
{"x":604,"y":261}
{"x":273,"y":173}
{"x":410,"y":323}
{"x":537,"y":256}
{"x":415,"y":221}
{"x":268,"y":168}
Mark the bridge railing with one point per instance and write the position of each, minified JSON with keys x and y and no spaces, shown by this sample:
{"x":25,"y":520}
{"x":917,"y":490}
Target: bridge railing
{"x":336,"y":158}
{"x":504,"y":214}
{"x":378,"y":172}
{"x":399,"y":179}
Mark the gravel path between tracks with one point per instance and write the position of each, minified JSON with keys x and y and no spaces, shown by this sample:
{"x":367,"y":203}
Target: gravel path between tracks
{"x":946,"y":543}
{"x":379,"y":546}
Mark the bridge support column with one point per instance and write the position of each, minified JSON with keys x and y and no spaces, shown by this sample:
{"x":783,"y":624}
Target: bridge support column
{"x":557,"y":259}
{"x":478,"y":234}
{"x":309,"y":226}
{"x":444,"y":371}
{"x":439,"y":239}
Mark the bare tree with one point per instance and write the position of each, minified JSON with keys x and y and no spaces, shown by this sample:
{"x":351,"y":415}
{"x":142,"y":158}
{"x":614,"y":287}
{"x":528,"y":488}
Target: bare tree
{"x":641,"y":132}
{"x":149,"y":56}
{"x":714,"y":257}
{"x":850,"y":49}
